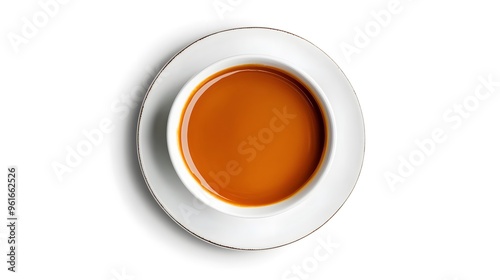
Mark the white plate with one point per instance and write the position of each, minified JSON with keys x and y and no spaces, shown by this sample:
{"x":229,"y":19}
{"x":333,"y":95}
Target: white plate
{"x":250,"y":233}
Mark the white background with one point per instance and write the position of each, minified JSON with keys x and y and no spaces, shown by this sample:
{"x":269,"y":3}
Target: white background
{"x":100,"y":222}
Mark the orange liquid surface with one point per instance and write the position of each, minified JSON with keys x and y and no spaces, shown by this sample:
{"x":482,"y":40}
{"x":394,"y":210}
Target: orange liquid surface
{"x":252,"y":135}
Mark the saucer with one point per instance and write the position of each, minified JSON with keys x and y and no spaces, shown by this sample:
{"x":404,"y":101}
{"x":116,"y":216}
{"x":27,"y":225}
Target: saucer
{"x":231,"y":231}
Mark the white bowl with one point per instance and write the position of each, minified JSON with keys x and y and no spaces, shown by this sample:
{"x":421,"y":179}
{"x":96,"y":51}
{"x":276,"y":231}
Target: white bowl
{"x":176,"y":154}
